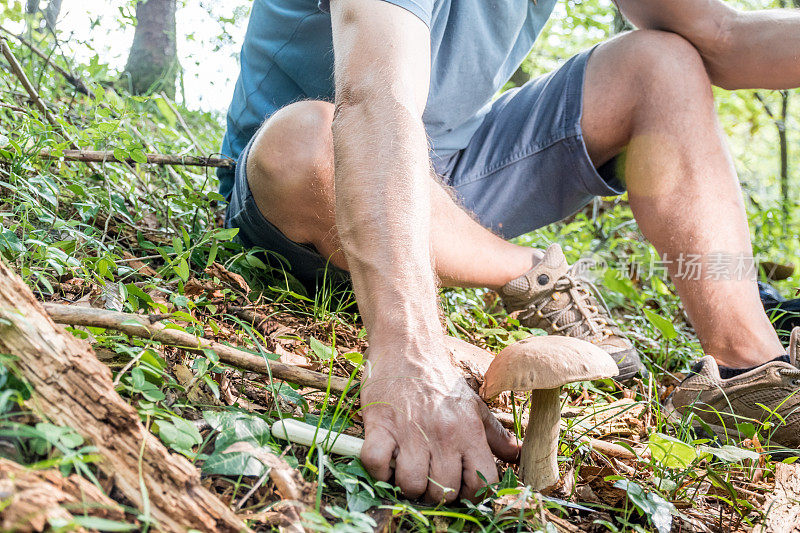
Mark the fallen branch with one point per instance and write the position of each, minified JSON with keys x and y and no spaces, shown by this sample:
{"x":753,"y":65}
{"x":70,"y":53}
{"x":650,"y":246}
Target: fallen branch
{"x":100,"y":156}
{"x":72,"y":388}
{"x":140,"y":326}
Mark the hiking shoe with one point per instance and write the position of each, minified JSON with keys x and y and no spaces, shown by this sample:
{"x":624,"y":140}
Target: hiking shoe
{"x":750,"y":398}
{"x":549,"y":297}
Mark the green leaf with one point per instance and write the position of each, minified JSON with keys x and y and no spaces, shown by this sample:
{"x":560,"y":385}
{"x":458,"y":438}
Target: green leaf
{"x":226,"y":234}
{"x":166,"y":112}
{"x":138,"y":156}
{"x":180,"y":435}
{"x":658,"y":510}
{"x":233,"y":464}
{"x":622,"y":285}
{"x":182,"y":270}
{"x":121,"y":155}
{"x":730,"y":454}
{"x":661,"y":324}
{"x":671,"y":452}
{"x":322,"y":351}
{"x":354,"y":357}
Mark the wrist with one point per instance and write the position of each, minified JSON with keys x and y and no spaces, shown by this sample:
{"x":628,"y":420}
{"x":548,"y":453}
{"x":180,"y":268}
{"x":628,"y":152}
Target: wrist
{"x":407,"y":348}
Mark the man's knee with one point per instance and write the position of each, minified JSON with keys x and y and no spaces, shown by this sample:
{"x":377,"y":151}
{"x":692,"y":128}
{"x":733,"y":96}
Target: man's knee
{"x":293,"y":149}
{"x":659,"y":60}
{"x":290,"y":169}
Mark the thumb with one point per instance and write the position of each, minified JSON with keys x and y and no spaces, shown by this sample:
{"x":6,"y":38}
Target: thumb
{"x":503,"y":443}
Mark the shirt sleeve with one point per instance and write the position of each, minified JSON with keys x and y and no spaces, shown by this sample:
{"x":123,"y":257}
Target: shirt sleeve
{"x":423,"y":9}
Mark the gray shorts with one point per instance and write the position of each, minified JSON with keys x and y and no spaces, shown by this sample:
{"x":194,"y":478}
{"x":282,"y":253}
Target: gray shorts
{"x":526,"y":167}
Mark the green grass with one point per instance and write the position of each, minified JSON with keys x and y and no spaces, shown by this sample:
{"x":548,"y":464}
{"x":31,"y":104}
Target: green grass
{"x":71,"y":235}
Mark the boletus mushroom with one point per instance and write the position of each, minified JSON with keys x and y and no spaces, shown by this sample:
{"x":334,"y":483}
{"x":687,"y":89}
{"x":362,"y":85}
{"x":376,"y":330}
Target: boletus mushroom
{"x":542,"y":365}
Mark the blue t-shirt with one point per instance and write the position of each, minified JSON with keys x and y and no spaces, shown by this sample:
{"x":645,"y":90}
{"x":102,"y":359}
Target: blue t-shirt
{"x":476,"y":45}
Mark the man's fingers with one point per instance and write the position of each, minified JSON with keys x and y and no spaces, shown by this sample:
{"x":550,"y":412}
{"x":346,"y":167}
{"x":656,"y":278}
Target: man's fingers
{"x":377,"y":452}
{"x":411,"y":472}
{"x":445,"y":474}
{"x":503,"y":443}
{"x":479,"y":461}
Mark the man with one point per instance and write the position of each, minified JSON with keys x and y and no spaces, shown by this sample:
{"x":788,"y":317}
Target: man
{"x":380,"y":127}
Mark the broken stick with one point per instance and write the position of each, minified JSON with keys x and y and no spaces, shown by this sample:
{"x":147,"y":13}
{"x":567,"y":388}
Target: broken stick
{"x":101,"y":156}
{"x":140,"y":326}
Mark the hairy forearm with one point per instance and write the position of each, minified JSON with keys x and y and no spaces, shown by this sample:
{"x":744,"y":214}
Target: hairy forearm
{"x":382,"y":174}
{"x":762,"y":51}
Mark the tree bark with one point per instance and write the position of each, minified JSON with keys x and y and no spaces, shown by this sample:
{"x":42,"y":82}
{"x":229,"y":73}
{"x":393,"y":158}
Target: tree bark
{"x":72,"y":388}
{"x":32,"y":498}
{"x":153,"y":59}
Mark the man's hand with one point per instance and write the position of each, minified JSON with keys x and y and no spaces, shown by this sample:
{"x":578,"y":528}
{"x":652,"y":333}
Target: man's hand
{"x":420,"y":412}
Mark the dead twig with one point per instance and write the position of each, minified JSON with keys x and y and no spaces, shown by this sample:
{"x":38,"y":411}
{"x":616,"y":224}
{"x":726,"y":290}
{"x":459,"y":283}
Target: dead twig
{"x":103,"y":156}
{"x":140,"y":326}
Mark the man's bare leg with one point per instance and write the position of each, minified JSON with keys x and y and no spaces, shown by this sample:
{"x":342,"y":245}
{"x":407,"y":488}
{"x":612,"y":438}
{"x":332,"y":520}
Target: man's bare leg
{"x":649,"y":91}
{"x":645,"y":90}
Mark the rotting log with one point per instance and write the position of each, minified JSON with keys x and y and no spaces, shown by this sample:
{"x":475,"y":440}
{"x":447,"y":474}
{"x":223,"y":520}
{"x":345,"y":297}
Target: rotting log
{"x":140,"y":326}
{"x":72,"y":388}
{"x":34,"y":499}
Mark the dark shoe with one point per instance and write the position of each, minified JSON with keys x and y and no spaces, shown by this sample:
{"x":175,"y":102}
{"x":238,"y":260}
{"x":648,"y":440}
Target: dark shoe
{"x":549,"y":297}
{"x":751,"y":397}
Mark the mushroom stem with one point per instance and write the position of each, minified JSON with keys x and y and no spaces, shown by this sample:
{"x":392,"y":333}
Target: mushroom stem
{"x":538,"y":459}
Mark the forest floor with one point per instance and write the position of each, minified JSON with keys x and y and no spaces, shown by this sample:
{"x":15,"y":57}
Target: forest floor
{"x":147,"y":239}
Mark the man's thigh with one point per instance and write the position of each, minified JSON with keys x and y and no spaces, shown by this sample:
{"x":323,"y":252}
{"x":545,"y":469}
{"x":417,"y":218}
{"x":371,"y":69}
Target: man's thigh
{"x":527,"y":165}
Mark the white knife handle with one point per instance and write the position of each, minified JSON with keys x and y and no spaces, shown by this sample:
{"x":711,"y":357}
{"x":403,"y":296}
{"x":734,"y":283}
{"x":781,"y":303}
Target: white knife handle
{"x":330,"y":441}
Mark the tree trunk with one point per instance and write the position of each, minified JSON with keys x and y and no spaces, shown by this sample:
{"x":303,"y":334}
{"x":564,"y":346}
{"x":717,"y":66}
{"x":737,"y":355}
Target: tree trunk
{"x":72,"y":388}
{"x":153,"y":59}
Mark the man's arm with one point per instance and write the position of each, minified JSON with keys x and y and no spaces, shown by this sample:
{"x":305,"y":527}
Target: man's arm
{"x":417,"y":409}
{"x":757,"y":49}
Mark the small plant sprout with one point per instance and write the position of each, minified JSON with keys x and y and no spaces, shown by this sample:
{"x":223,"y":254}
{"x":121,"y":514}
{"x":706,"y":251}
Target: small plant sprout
{"x":543,"y":365}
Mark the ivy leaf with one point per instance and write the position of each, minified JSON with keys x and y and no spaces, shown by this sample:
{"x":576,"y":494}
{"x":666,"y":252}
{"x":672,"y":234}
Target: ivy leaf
{"x":180,"y":435}
{"x":658,"y":510}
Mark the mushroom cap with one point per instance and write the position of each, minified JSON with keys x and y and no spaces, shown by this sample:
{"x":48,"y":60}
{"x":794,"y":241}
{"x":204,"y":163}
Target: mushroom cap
{"x":546,"y":362}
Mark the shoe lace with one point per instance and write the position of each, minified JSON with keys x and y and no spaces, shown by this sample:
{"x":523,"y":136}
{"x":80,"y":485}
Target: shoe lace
{"x":591,"y":317}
